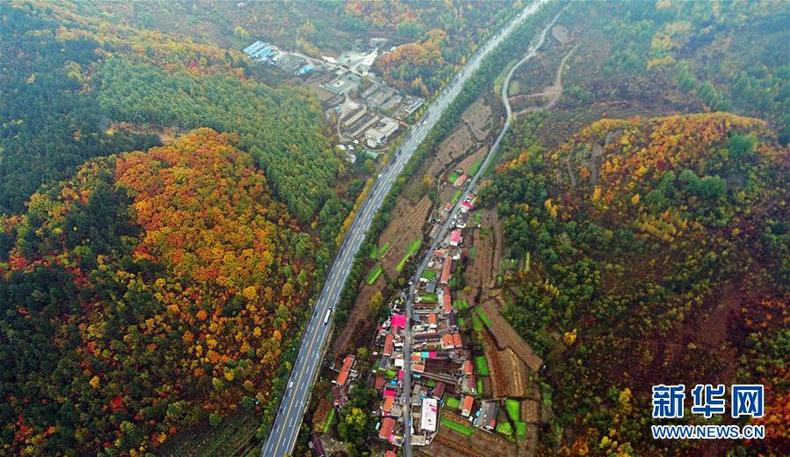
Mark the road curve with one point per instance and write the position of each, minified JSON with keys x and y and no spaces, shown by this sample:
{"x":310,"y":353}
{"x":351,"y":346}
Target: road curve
{"x":448,"y":224}
{"x":285,"y":429}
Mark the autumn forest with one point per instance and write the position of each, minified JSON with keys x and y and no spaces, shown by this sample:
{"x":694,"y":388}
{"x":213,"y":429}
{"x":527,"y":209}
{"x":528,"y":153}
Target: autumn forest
{"x":170,"y":208}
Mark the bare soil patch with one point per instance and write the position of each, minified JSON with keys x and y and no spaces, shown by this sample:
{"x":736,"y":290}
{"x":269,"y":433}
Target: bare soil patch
{"x":481,"y":272}
{"x":506,"y":336}
{"x":455,"y":146}
{"x":478,"y":118}
{"x":480,"y":444}
{"x":509,"y":374}
{"x":406,"y":226}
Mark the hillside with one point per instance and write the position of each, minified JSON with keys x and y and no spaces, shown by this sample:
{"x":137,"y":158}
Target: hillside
{"x":85,"y":87}
{"x":650,"y":249}
{"x":431,"y":38}
{"x":150,"y":290}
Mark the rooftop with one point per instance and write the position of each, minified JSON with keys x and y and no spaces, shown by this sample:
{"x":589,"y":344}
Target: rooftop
{"x":387,"y":426}
{"x":345,"y":370}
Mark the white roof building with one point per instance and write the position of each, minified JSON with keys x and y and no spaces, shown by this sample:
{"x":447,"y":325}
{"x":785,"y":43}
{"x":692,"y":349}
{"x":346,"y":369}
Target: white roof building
{"x":428,"y":415}
{"x":377,"y":135}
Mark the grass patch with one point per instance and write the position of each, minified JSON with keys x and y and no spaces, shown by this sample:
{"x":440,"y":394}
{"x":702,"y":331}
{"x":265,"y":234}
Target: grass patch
{"x":479,"y":387}
{"x":461,"y":305}
{"x":330,"y":419}
{"x":505,"y":428}
{"x":461,"y":322}
{"x":429,"y":275}
{"x":472,"y":253}
{"x":457,"y":196}
{"x":477,"y":324}
{"x":452,"y":177}
{"x":413,"y":248}
{"x":374,"y":274}
{"x":513,"y":408}
{"x":429,"y":298}
{"x":482,"y":366}
{"x":521,"y":430}
{"x":453,"y":402}
{"x":483,"y":316}
{"x":475,"y":167}
{"x":459,"y":428}
{"x":377,"y":253}
{"x":514,"y":88}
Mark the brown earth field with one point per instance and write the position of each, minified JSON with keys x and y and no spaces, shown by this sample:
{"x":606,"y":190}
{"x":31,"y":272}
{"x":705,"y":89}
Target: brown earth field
{"x":506,"y":336}
{"x":481,"y":272}
{"x":478,"y":118}
{"x":481,"y":444}
{"x":405,"y":227}
{"x":509,"y":374}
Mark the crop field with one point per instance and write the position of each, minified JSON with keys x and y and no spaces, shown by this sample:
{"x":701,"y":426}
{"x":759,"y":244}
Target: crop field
{"x":429,"y":298}
{"x":429,"y":275}
{"x":513,"y":408}
{"x":482,"y":365}
{"x":412,"y":249}
{"x":377,"y":253}
{"x":456,"y":427}
{"x":374,"y":274}
{"x":484,"y":317}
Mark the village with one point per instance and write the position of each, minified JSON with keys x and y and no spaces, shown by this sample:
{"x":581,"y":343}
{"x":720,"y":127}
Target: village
{"x":459,"y":392}
{"x":471,"y":384}
{"x":366,"y":112}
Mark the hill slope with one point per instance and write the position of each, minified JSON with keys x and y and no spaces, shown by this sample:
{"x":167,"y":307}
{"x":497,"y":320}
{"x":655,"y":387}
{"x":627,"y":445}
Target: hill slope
{"x":658,"y":252}
{"x":84,"y":87}
{"x":148,"y":291}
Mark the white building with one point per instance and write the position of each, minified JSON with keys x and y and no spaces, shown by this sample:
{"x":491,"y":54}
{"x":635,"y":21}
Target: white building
{"x":378,"y":135}
{"x":428,"y":415}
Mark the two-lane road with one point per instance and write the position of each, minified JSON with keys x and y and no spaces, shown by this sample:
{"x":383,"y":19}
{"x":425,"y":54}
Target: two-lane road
{"x":285,"y":430}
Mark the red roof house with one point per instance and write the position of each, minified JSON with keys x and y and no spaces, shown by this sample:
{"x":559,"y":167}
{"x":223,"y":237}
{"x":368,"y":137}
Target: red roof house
{"x":466,"y":407}
{"x":468,"y":367}
{"x":455,"y":237}
{"x":388,"y":345}
{"x":447,"y":301}
{"x":345,"y":370}
{"x":387,"y":426}
{"x":447,"y":270}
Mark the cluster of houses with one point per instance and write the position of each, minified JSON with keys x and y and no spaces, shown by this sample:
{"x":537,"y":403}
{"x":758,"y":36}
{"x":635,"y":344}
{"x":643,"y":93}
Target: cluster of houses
{"x":441,"y":361}
{"x":460,"y":220}
{"x":290,"y":62}
{"x":367,"y":110}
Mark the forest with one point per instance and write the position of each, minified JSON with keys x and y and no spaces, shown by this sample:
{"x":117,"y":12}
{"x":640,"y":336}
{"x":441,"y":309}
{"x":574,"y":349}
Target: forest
{"x":119,"y":88}
{"x":728,"y":56}
{"x":48,"y":124}
{"x":651,"y":249}
{"x":147,"y":292}
{"x":431,"y":39}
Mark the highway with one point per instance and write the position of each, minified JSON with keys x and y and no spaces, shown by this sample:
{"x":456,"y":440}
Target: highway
{"x":285,"y":430}
{"x":450,"y":223}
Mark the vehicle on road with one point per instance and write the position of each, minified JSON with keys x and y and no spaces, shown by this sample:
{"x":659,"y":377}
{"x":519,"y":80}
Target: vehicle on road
{"x":326,"y":318}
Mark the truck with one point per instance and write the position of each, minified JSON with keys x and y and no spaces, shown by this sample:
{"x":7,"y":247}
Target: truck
{"x":326,"y":318}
